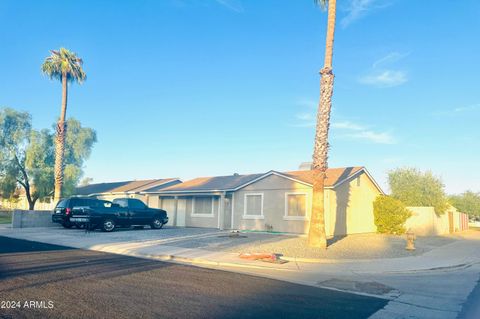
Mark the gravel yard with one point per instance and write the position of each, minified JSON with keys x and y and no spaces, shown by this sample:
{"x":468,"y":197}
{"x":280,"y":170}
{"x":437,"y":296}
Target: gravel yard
{"x":359,"y":246}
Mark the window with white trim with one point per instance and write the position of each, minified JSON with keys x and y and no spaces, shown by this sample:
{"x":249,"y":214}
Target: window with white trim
{"x":202,"y":205}
{"x":253,"y":205}
{"x":296,"y":206}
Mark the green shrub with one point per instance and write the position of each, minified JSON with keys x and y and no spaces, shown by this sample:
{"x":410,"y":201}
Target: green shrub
{"x":390,"y":215}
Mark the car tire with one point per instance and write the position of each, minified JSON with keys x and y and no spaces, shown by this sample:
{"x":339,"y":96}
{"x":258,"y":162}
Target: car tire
{"x":108,"y":225}
{"x":67,"y":225}
{"x":157,"y":223}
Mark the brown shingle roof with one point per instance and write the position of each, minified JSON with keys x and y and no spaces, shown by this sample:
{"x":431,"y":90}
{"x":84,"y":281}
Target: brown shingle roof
{"x":214,"y":183}
{"x":232,"y":182}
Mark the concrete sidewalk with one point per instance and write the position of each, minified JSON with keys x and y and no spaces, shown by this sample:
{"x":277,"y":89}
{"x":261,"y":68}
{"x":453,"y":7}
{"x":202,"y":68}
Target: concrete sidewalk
{"x":432,"y":285}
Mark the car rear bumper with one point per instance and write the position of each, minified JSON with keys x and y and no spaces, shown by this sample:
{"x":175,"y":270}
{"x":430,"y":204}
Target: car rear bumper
{"x":57,"y":218}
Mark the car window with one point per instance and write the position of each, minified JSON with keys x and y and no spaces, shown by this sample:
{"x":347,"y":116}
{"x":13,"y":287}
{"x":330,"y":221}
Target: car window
{"x":122,"y":202}
{"x":62,"y":203}
{"x":136,"y":204}
{"x":74,"y":202}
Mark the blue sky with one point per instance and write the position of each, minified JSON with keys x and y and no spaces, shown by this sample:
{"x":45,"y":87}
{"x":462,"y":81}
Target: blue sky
{"x":187,"y":88}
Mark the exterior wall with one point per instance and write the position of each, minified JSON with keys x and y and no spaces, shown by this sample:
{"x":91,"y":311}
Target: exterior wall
{"x":273,"y":189}
{"x":152,"y":201}
{"x":424,"y":222}
{"x":32,"y":218}
{"x":349,"y":207}
{"x":207,"y":222}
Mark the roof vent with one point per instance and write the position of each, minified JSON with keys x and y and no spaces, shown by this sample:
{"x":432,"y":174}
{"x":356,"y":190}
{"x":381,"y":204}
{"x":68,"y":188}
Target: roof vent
{"x":236,"y":174}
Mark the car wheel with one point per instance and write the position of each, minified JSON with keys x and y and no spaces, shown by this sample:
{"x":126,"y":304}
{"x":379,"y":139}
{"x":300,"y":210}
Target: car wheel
{"x":156,"y":223}
{"x":108,"y":225}
{"x":67,"y":225}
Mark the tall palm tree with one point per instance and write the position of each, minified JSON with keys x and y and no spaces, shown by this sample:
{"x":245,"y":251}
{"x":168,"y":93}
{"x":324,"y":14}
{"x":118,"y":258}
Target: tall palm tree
{"x":316,"y":232}
{"x":65,"y":66}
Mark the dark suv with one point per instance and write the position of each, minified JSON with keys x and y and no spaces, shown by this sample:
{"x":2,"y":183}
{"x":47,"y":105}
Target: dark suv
{"x":64,"y":209}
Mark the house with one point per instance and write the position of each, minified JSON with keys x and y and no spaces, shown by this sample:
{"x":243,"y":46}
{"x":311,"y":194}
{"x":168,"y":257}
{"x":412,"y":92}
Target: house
{"x":278,"y":201}
{"x":132,"y":189}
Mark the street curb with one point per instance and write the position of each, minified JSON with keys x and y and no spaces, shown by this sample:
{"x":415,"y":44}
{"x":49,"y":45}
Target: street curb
{"x":191,"y":261}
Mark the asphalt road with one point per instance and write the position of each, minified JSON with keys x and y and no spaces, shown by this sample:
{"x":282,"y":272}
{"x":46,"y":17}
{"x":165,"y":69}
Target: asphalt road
{"x":48,"y":281}
{"x":471,"y":308}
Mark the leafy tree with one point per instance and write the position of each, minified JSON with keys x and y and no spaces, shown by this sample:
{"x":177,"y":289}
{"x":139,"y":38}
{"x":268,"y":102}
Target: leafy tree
{"x":65,"y":66}
{"x":390,"y":215}
{"x":86,"y":181}
{"x":467,"y":202}
{"x":316,"y":232}
{"x":27,"y":156}
{"x":416,"y":188}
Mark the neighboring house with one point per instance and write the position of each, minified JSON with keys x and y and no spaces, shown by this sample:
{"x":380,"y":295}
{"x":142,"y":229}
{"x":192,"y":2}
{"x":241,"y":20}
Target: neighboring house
{"x":131,"y":189}
{"x":273,"y":201}
{"x":19,"y":201}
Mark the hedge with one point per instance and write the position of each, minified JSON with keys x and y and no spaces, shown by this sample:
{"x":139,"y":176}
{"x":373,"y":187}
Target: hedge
{"x":390,"y":215}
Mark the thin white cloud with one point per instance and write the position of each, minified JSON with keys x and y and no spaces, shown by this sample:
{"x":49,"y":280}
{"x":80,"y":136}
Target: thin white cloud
{"x":361,"y":132}
{"x":234,"y":5}
{"x":383,"y":75}
{"x":347,"y":125}
{"x":467,"y":108}
{"x":305,"y":120}
{"x":458,"y":110}
{"x":374,"y":137}
{"x":359,"y":8}
{"x":390,"y":58}
{"x":384,"y":79}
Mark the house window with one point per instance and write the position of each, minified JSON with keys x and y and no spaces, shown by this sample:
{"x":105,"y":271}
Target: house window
{"x":295,"y":206}
{"x":253,"y":206}
{"x":358,"y":181}
{"x":202,"y":206}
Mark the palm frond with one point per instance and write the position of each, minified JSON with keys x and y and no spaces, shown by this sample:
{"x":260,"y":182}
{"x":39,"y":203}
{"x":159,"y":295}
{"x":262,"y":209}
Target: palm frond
{"x":321,"y":3}
{"x":64,"y":62}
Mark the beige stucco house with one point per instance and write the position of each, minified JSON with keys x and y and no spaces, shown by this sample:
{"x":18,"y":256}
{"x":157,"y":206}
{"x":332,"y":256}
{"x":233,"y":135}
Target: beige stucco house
{"x":276,"y":201}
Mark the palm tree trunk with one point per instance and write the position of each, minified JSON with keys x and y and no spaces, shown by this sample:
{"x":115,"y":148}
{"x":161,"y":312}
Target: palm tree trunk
{"x":60,"y":142}
{"x":316,"y":234}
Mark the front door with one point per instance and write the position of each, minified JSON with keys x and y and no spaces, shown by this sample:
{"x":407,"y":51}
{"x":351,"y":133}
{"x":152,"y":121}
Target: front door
{"x":181,"y":212}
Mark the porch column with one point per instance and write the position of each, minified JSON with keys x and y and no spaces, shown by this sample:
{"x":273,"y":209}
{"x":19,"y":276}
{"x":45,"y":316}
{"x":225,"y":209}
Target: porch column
{"x":175,"y":209}
{"x":221,"y":212}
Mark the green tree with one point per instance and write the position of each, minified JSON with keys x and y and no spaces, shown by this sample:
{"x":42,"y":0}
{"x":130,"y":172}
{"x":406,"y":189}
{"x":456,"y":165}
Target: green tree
{"x":15,"y":129}
{"x":65,"y":66}
{"x":28,"y":156}
{"x":316,"y":232}
{"x":416,"y":188}
{"x":467,"y":202}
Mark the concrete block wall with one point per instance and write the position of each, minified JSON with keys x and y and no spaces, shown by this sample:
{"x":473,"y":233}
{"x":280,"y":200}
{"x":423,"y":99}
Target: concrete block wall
{"x":32,"y":218}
